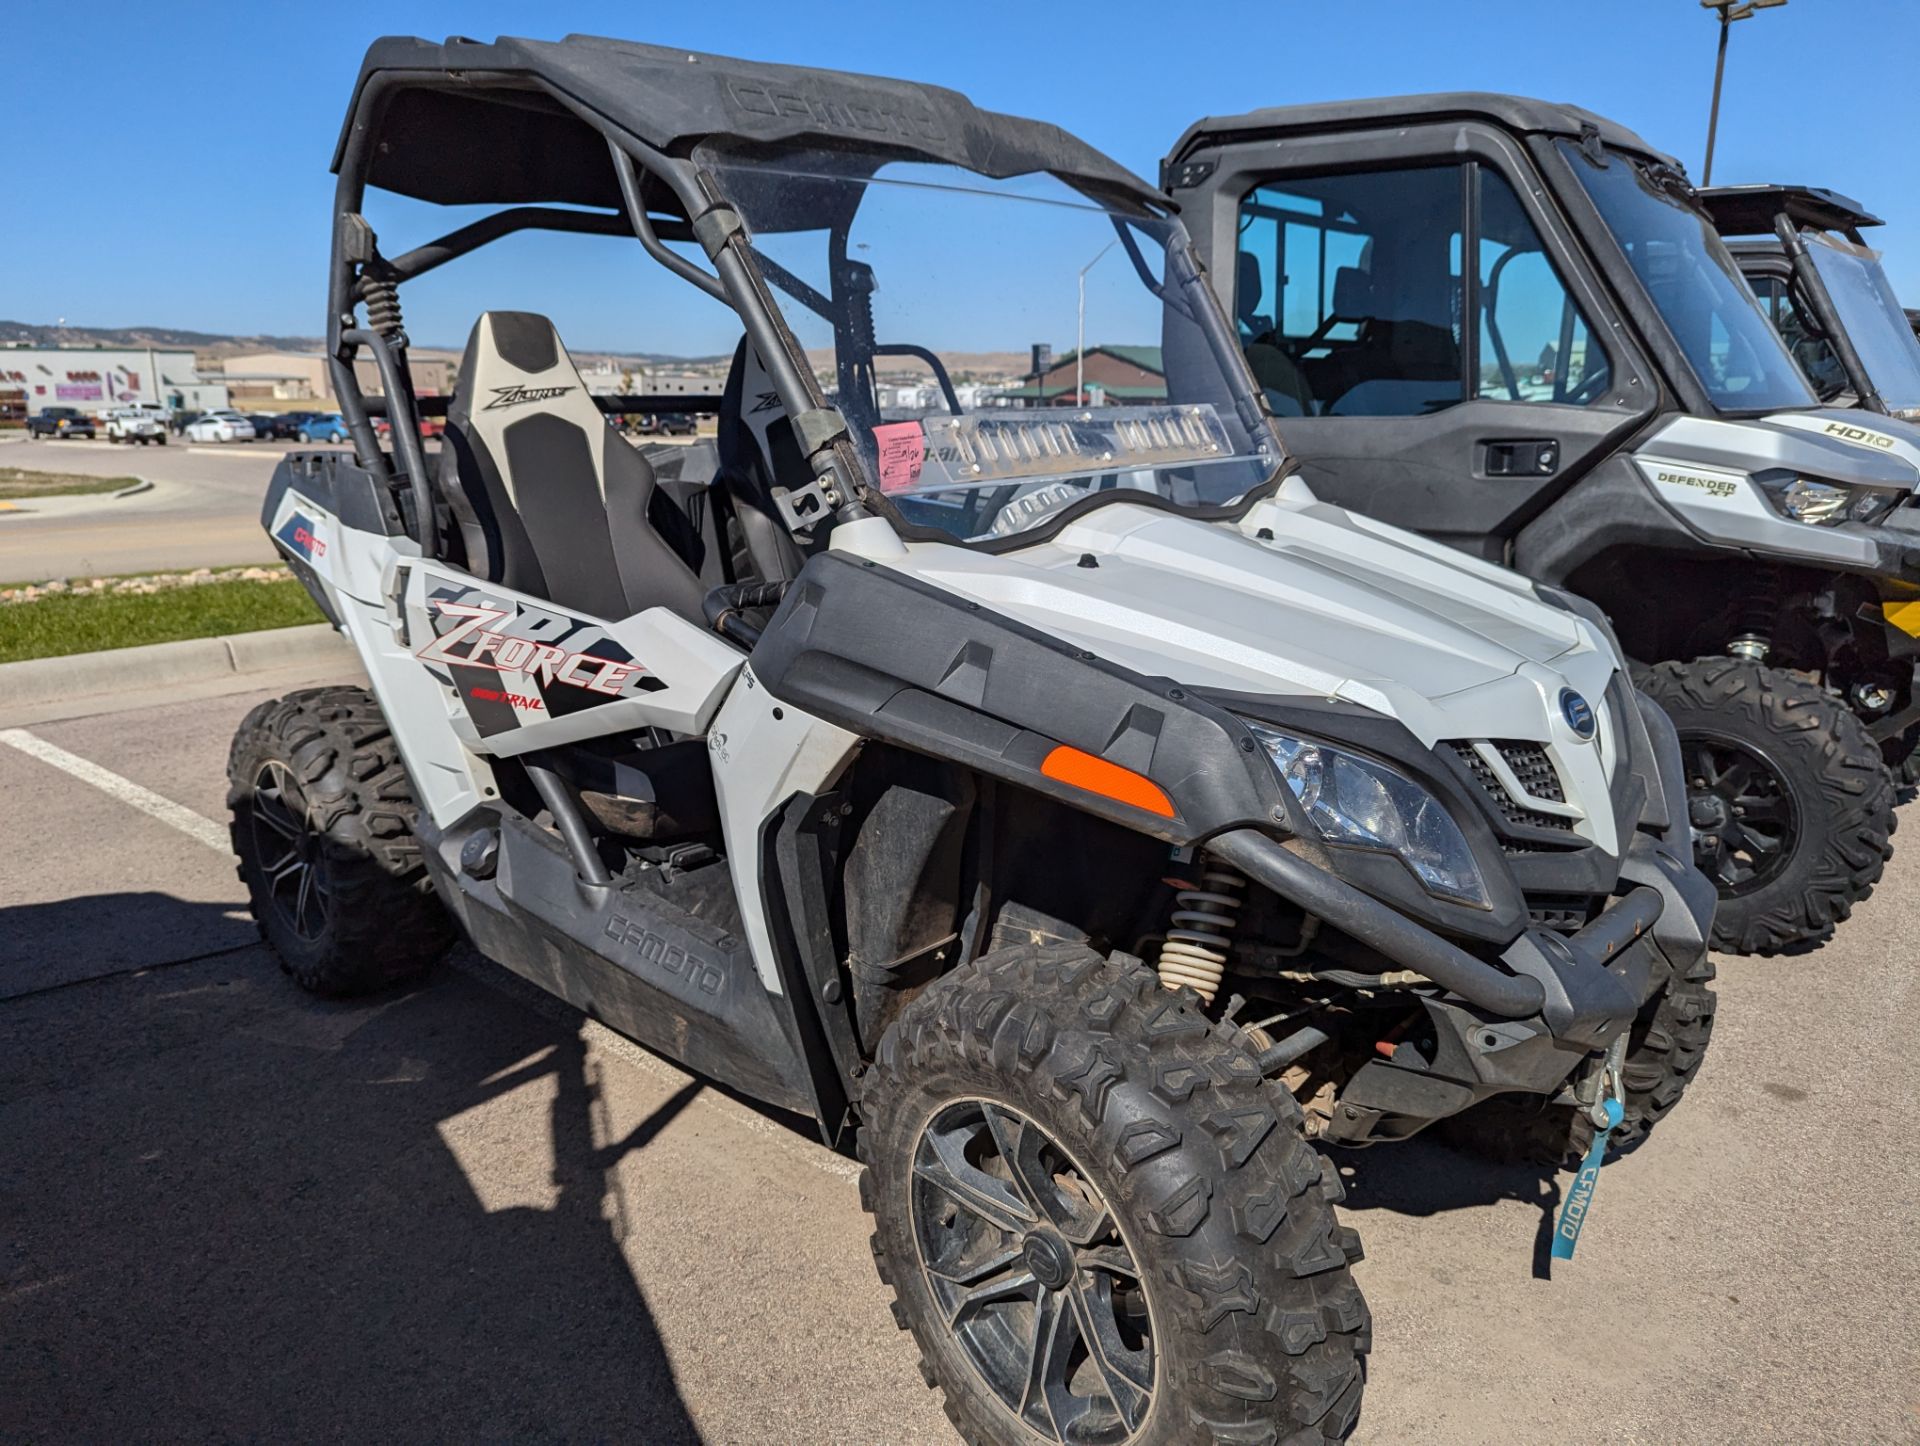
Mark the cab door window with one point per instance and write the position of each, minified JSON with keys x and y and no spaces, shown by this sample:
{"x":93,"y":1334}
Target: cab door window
{"x":1350,"y":296}
{"x":1535,"y":346}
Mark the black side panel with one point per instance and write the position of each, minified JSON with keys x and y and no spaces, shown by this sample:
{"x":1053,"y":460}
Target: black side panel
{"x":1611,"y":507}
{"x":339,"y":484}
{"x":630,"y":957}
{"x":887,"y":656}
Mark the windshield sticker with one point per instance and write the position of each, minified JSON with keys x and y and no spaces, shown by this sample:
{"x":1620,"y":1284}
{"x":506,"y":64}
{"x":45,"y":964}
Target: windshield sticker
{"x":903,"y":449}
{"x":1846,"y":432}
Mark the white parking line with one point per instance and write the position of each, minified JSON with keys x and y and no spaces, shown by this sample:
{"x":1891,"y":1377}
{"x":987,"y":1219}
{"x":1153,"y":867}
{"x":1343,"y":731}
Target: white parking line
{"x":203,"y":830}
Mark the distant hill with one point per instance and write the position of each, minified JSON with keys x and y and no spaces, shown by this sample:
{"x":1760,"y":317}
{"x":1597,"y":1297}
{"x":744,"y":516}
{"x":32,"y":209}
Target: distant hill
{"x":211,"y":343}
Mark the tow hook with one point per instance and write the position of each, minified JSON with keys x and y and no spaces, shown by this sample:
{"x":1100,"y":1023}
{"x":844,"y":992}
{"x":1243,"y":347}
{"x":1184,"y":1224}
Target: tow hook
{"x":1606,"y":1111}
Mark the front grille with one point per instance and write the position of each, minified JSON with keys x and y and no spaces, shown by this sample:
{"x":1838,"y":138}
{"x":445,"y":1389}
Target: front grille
{"x":1536,"y":773}
{"x":1533,"y":768}
{"x":1562,"y":913}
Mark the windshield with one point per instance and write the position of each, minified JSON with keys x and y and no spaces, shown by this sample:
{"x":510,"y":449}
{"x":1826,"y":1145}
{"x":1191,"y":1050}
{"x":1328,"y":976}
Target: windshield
{"x":1002,"y":349}
{"x":1694,"y":283}
{"x":1875,"y":324}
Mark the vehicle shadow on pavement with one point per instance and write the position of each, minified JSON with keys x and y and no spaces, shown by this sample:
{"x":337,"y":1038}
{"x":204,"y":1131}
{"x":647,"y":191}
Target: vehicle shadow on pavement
{"x":1424,"y":1176}
{"x":232,"y":1211}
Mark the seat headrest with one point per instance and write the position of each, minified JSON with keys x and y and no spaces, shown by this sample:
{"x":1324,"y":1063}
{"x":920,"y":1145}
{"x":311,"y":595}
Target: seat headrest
{"x":515,"y":364}
{"x":1353,"y":293}
{"x":1246,"y":283}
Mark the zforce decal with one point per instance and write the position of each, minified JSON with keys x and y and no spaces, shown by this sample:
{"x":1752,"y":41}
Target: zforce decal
{"x":514,"y":663}
{"x":487,"y":644}
{"x":517,"y":395}
{"x":299,"y":533}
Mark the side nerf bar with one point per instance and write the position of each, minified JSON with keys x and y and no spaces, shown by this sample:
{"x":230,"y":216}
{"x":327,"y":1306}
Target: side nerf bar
{"x":1513,"y":996}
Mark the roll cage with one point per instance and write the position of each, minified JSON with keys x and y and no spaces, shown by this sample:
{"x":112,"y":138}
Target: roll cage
{"x":608,"y":137}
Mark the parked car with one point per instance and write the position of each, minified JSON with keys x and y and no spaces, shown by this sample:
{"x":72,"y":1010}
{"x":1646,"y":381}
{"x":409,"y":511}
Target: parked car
{"x":287,"y":425}
{"x":323,"y":427}
{"x":55,"y":422}
{"x":142,"y":423}
{"x":220,"y":427}
{"x":669,"y":424}
{"x":182,"y":420}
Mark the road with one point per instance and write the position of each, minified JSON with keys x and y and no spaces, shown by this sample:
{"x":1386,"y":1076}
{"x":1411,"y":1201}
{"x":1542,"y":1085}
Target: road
{"x":461,"y":1211}
{"x":203,"y":511}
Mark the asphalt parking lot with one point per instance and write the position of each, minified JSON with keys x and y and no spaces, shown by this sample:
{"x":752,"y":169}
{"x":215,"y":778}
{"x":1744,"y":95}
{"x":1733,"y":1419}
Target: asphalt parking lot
{"x":462,"y":1212}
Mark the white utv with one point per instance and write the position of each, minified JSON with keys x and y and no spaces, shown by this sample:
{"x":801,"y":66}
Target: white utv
{"x":1598,"y":402}
{"x":1059,"y":804}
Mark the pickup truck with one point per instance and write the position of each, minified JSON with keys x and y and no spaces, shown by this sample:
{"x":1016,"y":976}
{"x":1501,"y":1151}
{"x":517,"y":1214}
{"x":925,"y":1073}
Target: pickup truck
{"x":55,"y":422}
{"x":137,"y":424}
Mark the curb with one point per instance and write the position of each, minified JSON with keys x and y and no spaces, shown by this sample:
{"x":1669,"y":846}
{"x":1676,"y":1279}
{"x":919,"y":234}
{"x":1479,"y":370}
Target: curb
{"x":159,"y":665}
{"x":144,"y":484}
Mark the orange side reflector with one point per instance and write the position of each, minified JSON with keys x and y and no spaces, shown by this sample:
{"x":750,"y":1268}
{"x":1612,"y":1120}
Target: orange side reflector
{"x":1082,"y":770}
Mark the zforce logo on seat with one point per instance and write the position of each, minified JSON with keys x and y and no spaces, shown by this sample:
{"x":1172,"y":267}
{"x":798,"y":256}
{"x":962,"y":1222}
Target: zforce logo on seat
{"x":483,"y":645}
{"x":516,"y":395}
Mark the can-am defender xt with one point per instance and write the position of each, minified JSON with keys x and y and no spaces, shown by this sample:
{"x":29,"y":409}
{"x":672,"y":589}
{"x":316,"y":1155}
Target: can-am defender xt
{"x":1597,"y":401}
{"x":1827,"y":294}
{"x":861,"y":763}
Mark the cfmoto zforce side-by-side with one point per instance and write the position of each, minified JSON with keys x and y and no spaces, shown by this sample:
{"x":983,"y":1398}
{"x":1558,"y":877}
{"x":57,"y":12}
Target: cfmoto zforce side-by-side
{"x":1036,"y":785}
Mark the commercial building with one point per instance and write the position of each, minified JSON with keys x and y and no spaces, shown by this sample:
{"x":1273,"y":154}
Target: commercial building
{"x":97,"y":378}
{"x":293,"y":376}
{"x":1109,"y":375}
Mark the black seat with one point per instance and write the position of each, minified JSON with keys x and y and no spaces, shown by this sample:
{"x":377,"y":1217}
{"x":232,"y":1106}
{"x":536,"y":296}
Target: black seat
{"x":1287,"y":392}
{"x":549,"y":500}
{"x":757,"y":453}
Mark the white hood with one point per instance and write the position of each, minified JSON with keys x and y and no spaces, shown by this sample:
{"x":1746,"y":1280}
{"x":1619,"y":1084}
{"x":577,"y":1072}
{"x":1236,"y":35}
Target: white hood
{"x":1329,"y":605}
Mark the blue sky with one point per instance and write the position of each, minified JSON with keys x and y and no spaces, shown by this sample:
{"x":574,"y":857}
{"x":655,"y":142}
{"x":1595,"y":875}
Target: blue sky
{"x":171,"y":168}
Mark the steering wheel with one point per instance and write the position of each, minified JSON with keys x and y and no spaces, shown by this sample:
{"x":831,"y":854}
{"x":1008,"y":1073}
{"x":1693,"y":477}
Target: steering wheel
{"x":1589,"y":388}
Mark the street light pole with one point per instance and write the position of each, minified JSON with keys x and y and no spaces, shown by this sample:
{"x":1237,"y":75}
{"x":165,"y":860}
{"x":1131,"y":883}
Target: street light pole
{"x":1713,"y":116}
{"x":1730,"y":11}
{"x":1080,"y":340}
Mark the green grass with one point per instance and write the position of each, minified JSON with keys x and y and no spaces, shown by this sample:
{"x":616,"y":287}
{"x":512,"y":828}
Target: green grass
{"x":54,"y":626}
{"x":18,"y":482}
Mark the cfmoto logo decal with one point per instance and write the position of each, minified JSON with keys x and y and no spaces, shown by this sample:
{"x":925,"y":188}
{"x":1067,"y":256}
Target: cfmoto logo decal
{"x":299,"y":534}
{"x":1578,"y":712}
{"x":516,"y":395}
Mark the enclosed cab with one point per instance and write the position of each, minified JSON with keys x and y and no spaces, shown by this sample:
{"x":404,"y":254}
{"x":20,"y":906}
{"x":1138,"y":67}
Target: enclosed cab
{"x":1507,"y":324}
{"x":1824,"y":289}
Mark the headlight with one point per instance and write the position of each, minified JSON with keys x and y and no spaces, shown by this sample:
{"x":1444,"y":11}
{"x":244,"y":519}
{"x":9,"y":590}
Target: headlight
{"x":1805,"y":499}
{"x":1359,"y":803}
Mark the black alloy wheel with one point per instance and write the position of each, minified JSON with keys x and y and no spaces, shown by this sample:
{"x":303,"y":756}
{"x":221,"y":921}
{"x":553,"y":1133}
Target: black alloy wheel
{"x":292,"y":855}
{"x":1743,"y":816}
{"x":1035,"y":1279}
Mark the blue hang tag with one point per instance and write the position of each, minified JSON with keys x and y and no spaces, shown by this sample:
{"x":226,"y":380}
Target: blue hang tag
{"x":1573,"y":1214}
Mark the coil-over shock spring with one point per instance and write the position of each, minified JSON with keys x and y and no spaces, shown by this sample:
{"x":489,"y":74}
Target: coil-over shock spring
{"x":381,"y":293}
{"x":1194,"y":952}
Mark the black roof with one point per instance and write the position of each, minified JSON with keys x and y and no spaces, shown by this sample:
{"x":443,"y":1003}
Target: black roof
{"x":1750,"y":210}
{"x":1514,"y":112}
{"x":469,"y":122}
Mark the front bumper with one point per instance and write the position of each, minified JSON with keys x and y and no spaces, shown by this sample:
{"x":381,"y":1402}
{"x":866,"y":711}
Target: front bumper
{"x":1521,"y":1025}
